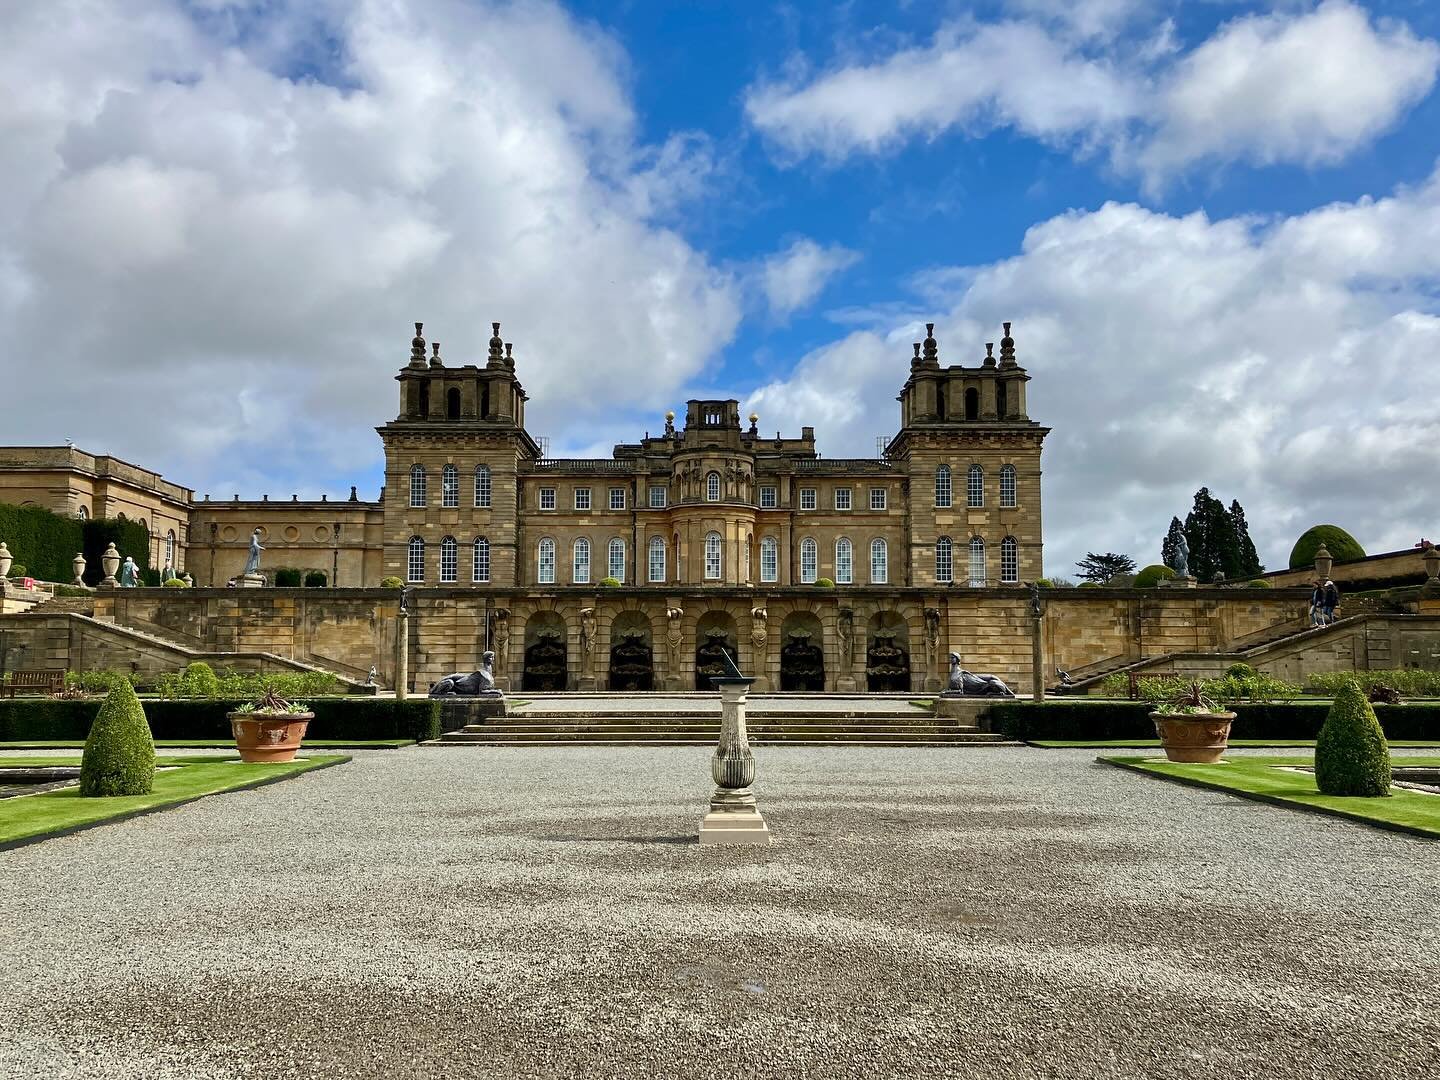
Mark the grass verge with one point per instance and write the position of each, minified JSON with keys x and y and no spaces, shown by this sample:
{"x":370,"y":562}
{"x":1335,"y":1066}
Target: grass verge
{"x":28,"y":818}
{"x":1258,"y":778}
{"x":215,"y":744}
{"x":1149,"y":744}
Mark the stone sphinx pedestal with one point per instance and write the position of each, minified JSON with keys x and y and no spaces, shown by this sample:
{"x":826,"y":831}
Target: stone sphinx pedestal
{"x":471,"y":713}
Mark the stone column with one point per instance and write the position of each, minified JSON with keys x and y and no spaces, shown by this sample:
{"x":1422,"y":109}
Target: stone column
{"x":402,"y":656}
{"x":1037,"y":656}
{"x":733,"y":816}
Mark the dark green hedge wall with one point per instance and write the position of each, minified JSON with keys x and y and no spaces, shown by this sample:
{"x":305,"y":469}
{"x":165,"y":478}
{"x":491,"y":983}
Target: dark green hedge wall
{"x":335,"y":718}
{"x":1103,"y":720}
{"x":46,"y":543}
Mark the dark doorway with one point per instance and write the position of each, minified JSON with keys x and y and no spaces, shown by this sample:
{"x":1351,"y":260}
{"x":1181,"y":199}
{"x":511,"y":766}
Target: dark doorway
{"x":632,"y":662}
{"x":972,"y":404}
{"x":802,"y":663}
{"x":452,"y":404}
{"x":545,"y":666}
{"x":887,"y":664}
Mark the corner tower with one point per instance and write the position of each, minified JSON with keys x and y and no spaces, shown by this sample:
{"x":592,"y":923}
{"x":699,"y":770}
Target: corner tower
{"x":972,"y":456}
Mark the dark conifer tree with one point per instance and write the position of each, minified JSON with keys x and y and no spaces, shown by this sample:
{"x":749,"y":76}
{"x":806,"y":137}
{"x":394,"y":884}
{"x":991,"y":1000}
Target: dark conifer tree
{"x":1250,"y":564}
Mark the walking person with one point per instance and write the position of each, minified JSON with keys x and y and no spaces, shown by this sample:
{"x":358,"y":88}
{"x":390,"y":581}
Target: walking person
{"x":1317,"y":604}
{"x":1331,"y":598}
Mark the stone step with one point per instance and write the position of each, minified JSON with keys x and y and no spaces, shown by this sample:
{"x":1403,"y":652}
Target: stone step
{"x":659,"y":736}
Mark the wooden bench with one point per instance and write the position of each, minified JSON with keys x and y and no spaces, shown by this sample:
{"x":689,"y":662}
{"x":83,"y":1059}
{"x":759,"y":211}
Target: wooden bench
{"x":44,"y":682}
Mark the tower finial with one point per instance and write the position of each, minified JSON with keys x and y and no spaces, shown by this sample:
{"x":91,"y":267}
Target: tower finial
{"x":989,"y":354}
{"x":509,"y":357}
{"x":496,"y":346}
{"x":932,"y":349}
{"x":1007,"y":348}
{"x":417,"y":347}
{"x":435,"y":356}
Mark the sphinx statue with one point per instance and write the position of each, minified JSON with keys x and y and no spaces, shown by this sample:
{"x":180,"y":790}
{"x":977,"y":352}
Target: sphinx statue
{"x":470,"y":683}
{"x":971,"y":685}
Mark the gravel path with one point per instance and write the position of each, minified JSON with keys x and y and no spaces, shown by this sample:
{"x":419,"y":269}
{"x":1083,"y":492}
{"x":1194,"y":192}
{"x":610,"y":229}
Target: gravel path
{"x":545,"y":912}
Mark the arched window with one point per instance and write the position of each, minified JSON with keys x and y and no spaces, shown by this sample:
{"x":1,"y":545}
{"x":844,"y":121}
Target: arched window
{"x":809,"y":560}
{"x":879,"y":562}
{"x":844,"y":562}
{"x":545,"y":562}
{"x":83,"y":514}
{"x":482,"y":485}
{"x":944,"y":560}
{"x":615,"y":562}
{"x":449,"y":486}
{"x":480,"y":560}
{"x":581,"y":576}
{"x":415,"y":561}
{"x":417,"y":485}
{"x":1007,"y":485}
{"x":972,"y":404}
{"x":657,"y":558}
{"x":452,"y":403}
{"x":714,"y":556}
{"x":975,"y":486}
{"x":449,"y":559}
{"x":977,"y":563}
{"x":769,"y":559}
{"x":1009,"y":561}
{"x":712,"y":487}
{"x":170,"y":549}
{"x":942,"y":486}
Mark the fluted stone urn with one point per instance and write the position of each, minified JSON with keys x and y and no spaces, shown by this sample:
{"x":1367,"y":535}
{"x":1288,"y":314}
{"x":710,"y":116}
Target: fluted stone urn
{"x":5,"y":560}
{"x":78,"y":565}
{"x":1431,"y":557}
{"x":110,"y":563}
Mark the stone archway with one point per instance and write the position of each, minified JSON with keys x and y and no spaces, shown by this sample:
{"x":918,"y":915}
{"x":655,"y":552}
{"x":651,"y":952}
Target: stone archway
{"x":802,"y":652}
{"x":632,"y":652}
{"x":547,"y":660}
{"x":887,"y":653}
{"x":714,"y":631}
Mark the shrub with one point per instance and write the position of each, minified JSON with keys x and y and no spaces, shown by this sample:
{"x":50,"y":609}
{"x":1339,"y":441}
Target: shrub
{"x":17,"y":570}
{"x":1152,"y":575}
{"x":1351,"y":755}
{"x":391,"y":583}
{"x":316,"y":579}
{"x":1239,"y":671}
{"x":175,"y":583}
{"x":1258,"y":583}
{"x":610,"y":583}
{"x":824,"y":583}
{"x":1097,"y":720}
{"x":1411,"y":682}
{"x":71,"y":590}
{"x":199,"y":680}
{"x":119,"y":756}
{"x":1341,"y":545}
{"x":1088,"y":585}
{"x":287,"y":578}
{"x":99,"y":682}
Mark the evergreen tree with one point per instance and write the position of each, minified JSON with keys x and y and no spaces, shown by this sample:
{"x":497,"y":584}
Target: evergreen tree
{"x":1250,"y":563}
{"x":1103,"y":567}
{"x":1199,"y":533}
{"x":1171,"y":546}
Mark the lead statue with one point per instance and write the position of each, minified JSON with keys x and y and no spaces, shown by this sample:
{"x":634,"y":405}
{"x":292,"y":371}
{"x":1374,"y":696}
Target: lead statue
{"x":252,"y":562}
{"x":470,"y":684}
{"x":1181,"y":564}
{"x":964,"y":682}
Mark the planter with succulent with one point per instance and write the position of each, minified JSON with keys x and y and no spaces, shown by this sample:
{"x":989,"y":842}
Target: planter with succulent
{"x":270,"y":729}
{"x":1192,"y":727}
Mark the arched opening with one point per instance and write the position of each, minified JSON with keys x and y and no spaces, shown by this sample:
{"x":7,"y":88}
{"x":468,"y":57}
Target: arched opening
{"x":972,"y":404}
{"x":632,"y":652}
{"x":1002,"y":400}
{"x":546,"y":659}
{"x":485,"y":401}
{"x":715,"y":634}
{"x":424,"y":400}
{"x":452,"y":403}
{"x":802,"y":653}
{"x":940,"y":401}
{"x":887,"y":654}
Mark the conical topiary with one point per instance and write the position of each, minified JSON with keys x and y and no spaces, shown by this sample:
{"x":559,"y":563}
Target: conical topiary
{"x":1351,"y":754}
{"x":119,"y":752}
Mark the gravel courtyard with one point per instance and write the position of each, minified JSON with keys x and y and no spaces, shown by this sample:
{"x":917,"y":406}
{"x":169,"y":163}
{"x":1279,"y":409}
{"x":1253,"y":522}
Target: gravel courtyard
{"x":458,"y":912}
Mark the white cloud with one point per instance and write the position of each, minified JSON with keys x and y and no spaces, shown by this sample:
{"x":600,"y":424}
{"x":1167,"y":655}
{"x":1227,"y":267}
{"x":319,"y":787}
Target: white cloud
{"x":792,"y":278}
{"x":188,"y":228}
{"x":1306,"y":87}
{"x":1009,"y":74}
{"x":1287,"y":364}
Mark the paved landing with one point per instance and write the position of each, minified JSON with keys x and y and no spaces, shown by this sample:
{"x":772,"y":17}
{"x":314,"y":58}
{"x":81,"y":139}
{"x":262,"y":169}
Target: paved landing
{"x":546,"y":912}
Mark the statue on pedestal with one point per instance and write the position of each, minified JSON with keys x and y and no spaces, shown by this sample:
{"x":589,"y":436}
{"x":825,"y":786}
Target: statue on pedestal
{"x":479,"y":683}
{"x":252,"y":561}
{"x":588,"y":635}
{"x":1181,"y":563}
{"x":971,"y":685}
{"x":845,"y":631}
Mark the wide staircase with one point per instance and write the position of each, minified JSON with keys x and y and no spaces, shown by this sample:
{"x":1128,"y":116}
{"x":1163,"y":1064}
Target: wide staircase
{"x":694,"y":720}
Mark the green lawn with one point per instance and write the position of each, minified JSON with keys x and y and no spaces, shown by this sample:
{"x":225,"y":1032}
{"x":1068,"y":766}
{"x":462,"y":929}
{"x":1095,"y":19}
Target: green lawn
{"x":1148,"y":744}
{"x":1258,"y":778}
{"x":217,"y":744}
{"x":28,"y":818}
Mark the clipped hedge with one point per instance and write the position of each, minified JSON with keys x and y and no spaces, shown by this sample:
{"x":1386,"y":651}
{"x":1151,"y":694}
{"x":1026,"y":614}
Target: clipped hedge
{"x":1351,"y":757}
{"x":44,"y":543}
{"x":1152,"y":575}
{"x":1102,"y":720}
{"x":119,"y":757}
{"x":51,"y":719}
{"x":1342,"y":546}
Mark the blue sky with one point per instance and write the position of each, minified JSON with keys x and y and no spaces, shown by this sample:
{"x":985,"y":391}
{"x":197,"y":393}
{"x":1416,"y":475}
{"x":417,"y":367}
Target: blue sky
{"x":1216,"y":226}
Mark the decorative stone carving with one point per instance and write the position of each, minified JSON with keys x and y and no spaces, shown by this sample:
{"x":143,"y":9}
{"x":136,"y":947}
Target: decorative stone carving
{"x":845,"y":631}
{"x":588,"y":635}
{"x":759,"y":634}
{"x":252,"y":561}
{"x":674,"y":638}
{"x":6,"y":559}
{"x":469,"y":684}
{"x":965,"y":683}
{"x":500,"y":639}
{"x":1180,"y":562}
{"x":932,"y":637}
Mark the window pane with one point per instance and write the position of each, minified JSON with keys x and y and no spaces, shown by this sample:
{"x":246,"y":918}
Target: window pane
{"x":809,"y":560}
{"x":712,"y":487}
{"x":417,"y":485}
{"x":975,"y":486}
{"x":480,"y":571}
{"x":844,"y":562}
{"x":769,"y":559}
{"x":547,"y":498}
{"x":977,"y":563}
{"x":415,"y":563}
{"x":582,"y":498}
{"x":617,"y":498}
{"x":768,"y":498}
{"x":842,"y":498}
{"x":616,"y":561}
{"x":545,"y":565}
{"x":657,"y":558}
{"x":582,"y":562}
{"x":1009,"y":561}
{"x":449,"y":486}
{"x":482,"y":485}
{"x":879,"y":562}
{"x":807,"y":498}
{"x":657,"y":497}
{"x":449,"y":559}
{"x":1007,"y":485}
{"x":713,"y":560}
{"x":877,"y":498}
{"x":944,"y":560}
{"x":942,"y":486}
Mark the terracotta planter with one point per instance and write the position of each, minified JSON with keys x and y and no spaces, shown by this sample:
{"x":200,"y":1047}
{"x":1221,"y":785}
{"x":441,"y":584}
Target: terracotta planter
{"x":269,"y":736}
{"x":1199,"y":738}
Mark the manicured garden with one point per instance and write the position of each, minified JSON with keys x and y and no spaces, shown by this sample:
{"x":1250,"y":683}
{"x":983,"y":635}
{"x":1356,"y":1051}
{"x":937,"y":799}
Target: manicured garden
{"x":27,"y":818}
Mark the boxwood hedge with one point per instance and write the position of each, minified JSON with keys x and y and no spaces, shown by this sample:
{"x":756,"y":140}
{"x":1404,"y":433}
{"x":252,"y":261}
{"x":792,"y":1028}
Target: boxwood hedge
{"x":1102,"y":720}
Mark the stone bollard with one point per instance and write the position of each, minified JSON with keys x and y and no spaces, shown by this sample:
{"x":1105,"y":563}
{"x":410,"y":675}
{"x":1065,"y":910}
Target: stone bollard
{"x":402,"y":655}
{"x":733,"y":816}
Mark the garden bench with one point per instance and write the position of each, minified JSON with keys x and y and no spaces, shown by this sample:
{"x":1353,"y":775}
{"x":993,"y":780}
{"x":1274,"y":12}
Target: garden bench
{"x":46,"y":682}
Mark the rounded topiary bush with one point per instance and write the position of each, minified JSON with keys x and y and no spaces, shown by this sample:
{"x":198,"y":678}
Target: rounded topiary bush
{"x":1152,"y":575}
{"x":200,"y":680}
{"x":1258,"y":583}
{"x":610,"y":583}
{"x":1342,"y":546}
{"x":316,"y":579}
{"x":287,"y":578}
{"x":391,"y":583}
{"x":175,"y":583}
{"x":1088,"y":585}
{"x":17,"y":570}
{"x":119,"y":754}
{"x":1239,"y":671}
{"x":824,"y":583}
{"x":1351,"y":755}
